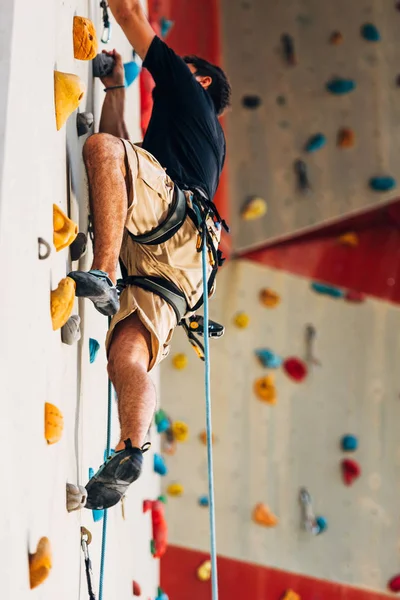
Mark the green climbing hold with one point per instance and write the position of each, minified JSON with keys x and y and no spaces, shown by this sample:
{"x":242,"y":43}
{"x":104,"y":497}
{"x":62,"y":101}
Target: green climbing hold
{"x":94,"y":347}
{"x":370,"y":32}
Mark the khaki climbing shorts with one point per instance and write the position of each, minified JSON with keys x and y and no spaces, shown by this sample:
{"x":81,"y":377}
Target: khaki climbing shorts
{"x":150,"y":193}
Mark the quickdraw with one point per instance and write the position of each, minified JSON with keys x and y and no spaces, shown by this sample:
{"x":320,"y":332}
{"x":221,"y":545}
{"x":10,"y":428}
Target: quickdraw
{"x":86,"y":538}
{"x":106,"y":35}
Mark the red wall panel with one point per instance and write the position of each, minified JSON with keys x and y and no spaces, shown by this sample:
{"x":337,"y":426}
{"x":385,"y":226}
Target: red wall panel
{"x":245,"y":581}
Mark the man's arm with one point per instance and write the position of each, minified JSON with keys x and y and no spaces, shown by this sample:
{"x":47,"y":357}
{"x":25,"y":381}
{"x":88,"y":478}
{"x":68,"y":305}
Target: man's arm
{"x":112,"y":114}
{"x":130,"y":16}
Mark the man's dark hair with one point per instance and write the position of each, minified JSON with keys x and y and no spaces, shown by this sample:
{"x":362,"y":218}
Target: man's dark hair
{"x":219,"y":89}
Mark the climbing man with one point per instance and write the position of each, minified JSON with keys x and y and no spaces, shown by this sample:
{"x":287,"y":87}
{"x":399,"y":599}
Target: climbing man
{"x":152,"y":209}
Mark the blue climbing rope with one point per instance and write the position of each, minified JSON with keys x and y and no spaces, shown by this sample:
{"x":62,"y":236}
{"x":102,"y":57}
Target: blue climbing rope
{"x":213,"y":540}
{"x":108,"y":450}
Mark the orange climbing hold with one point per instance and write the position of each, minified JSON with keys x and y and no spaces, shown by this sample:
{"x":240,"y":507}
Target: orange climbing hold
{"x":65,"y":230}
{"x":336,"y":38}
{"x":262,"y":515}
{"x":85,"y":39}
{"x":265,"y":389}
{"x":291,"y":595}
{"x":62,"y":302}
{"x":203,"y":437}
{"x":346,"y":138}
{"x":68,"y":92}
{"x":349,"y":239}
{"x":269,"y":298}
{"x":53,"y":423}
{"x":40,"y":563}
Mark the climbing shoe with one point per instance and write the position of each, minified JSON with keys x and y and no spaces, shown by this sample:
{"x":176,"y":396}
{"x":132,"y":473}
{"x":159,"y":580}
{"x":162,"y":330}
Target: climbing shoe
{"x":111,"y":481}
{"x":98,"y":287}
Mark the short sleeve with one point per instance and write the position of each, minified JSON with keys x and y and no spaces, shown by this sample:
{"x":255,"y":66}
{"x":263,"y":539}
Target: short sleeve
{"x":167,"y":68}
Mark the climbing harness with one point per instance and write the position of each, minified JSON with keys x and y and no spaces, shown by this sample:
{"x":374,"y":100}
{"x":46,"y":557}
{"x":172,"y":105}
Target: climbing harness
{"x":106,"y":35}
{"x":200,"y":212}
{"x":86,"y":538}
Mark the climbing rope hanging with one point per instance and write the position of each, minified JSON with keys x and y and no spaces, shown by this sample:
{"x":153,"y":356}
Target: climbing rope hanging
{"x":213,"y":540}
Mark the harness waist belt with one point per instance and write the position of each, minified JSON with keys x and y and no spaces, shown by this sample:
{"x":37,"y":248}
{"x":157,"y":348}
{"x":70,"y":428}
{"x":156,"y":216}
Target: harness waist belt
{"x":173,"y":221}
{"x":163,"y":288}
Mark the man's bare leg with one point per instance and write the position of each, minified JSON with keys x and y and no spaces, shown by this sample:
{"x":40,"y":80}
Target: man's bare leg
{"x":128,"y":362}
{"x":104,"y":158}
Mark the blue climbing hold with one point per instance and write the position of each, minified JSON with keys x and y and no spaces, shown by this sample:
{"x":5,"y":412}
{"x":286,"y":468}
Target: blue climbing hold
{"x":166,"y":27}
{"x":340,"y":86}
{"x":203,"y":501}
{"x":370,"y":32}
{"x":163,"y":423}
{"x":382,"y":184}
{"x":106,"y":456}
{"x":315,"y":142}
{"x":94,"y":347}
{"x":159,"y":465}
{"x":322,"y":524}
{"x":97,"y":514}
{"x":349,"y":443}
{"x":327,"y":290}
{"x":161,"y":595}
{"x":132,"y":70}
{"x":269,"y":359}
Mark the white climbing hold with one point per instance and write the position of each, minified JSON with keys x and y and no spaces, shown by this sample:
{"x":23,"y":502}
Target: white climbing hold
{"x":76,"y":497}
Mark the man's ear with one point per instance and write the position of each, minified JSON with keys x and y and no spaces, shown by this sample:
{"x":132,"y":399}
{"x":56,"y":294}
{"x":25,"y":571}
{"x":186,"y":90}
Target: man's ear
{"x":205,"y":81}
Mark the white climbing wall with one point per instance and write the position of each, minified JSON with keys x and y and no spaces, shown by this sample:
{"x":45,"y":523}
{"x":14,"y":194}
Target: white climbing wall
{"x":265,"y":453}
{"x":35,"y":366}
{"x":263,"y":144}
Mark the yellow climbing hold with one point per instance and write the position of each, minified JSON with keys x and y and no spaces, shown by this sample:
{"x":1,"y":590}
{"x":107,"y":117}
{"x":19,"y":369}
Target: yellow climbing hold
{"x":255,"y":208}
{"x":65,"y":230}
{"x":53,"y":423}
{"x":204,"y":571}
{"x":175,"y":489}
{"x":262,"y":515}
{"x":242,"y":320}
{"x":180,"y":361}
{"x":269,"y":298}
{"x":349,"y":239}
{"x":265,"y":389}
{"x":62,"y":302}
{"x":180,"y":431}
{"x":40,"y":563}
{"x":291,"y":595}
{"x":85,"y":39}
{"x":68,"y":92}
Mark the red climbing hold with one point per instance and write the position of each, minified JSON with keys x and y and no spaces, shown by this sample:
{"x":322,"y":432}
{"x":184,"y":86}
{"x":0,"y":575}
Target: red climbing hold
{"x":394,"y":584}
{"x":353,"y":296}
{"x":295,"y":369}
{"x":351,"y":471}
{"x":136,"y":589}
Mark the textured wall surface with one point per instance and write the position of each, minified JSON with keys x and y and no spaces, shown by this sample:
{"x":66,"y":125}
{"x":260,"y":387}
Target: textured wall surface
{"x":264,"y":143}
{"x":265,"y":453}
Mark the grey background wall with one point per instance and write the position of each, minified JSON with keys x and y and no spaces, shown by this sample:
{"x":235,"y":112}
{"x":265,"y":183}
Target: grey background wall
{"x":264,"y":143}
{"x":265,"y":453}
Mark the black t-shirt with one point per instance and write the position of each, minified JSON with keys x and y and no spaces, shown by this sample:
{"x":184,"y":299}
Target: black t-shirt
{"x":184,"y":133}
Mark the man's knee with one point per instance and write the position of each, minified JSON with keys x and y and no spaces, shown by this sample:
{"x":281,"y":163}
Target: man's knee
{"x":102,"y":146}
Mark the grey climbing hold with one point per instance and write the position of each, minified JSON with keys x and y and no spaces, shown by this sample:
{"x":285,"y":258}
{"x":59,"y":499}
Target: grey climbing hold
{"x":79,"y":246}
{"x":71,"y":332}
{"x":370,"y":32}
{"x":102,"y":65}
{"x":339,"y":86}
{"x":251,"y":101}
{"x":301,"y":171}
{"x":84,"y":122}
